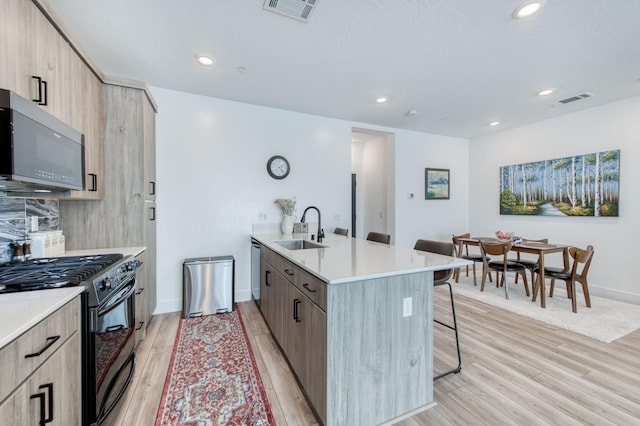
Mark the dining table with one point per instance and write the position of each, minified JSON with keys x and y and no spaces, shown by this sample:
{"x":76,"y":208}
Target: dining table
{"x":531,"y":247}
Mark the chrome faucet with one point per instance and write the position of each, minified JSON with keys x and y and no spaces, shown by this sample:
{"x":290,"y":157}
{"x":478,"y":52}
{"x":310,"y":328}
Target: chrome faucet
{"x":320,"y":231}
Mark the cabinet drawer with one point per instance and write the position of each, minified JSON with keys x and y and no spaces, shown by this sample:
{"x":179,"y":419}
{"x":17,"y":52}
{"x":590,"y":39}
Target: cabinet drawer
{"x":312,"y":287}
{"x":272,"y":258}
{"x":31,"y":349}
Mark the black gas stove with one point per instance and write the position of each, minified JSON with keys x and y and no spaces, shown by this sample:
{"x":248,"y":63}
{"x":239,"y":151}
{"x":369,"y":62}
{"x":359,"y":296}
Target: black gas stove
{"x":107,"y":320}
{"x":52,"y":272}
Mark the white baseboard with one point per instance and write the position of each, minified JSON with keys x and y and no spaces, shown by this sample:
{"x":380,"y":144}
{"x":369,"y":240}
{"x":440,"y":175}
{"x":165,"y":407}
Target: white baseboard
{"x":621,"y":296}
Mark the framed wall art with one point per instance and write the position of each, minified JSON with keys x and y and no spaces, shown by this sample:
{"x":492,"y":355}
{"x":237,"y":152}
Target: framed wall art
{"x":436,"y":184}
{"x":581,"y":185}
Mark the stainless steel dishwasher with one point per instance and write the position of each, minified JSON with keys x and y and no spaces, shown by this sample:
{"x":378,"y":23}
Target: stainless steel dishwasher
{"x":208,"y":286}
{"x":255,"y":270}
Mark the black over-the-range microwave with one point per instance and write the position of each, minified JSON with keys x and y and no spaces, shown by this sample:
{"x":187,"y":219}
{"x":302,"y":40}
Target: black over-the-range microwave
{"x":38,"y":152}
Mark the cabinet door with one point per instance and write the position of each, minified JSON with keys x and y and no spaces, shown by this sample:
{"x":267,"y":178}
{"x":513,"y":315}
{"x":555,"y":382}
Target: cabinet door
{"x":313,"y":365}
{"x":272,"y":287}
{"x":52,"y":65}
{"x":85,"y":102}
{"x":305,"y":343}
{"x":141,"y":300}
{"x":17,"y":44}
{"x":150,"y":258}
{"x":51,"y":394}
{"x":149,"y":150}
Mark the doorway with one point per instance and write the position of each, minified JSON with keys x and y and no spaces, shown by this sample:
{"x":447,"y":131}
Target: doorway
{"x":372,"y":182}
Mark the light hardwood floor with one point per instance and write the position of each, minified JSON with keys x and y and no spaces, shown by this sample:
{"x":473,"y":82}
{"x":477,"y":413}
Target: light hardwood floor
{"x":515,"y":371}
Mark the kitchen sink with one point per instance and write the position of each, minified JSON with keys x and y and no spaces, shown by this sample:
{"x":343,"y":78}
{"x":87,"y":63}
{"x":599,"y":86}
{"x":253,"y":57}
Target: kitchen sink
{"x":299,"y":244}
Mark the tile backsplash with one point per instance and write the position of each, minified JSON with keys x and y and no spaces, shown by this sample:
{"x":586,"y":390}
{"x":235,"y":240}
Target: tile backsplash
{"x":16,"y":215}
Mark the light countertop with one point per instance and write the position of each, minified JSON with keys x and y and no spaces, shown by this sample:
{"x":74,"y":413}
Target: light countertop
{"x":347,"y":259}
{"x":126,"y":251}
{"x":21,"y":311}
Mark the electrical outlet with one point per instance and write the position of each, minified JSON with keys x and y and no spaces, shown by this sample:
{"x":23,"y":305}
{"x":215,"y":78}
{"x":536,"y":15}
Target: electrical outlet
{"x":407,"y":306}
{"x":336,"y":218}
{"x":262,"y":216}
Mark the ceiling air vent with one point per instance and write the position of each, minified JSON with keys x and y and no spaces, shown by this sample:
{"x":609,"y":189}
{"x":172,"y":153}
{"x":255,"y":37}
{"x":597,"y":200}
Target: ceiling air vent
{"x":296,"y":9}
{"x":575,"y":98}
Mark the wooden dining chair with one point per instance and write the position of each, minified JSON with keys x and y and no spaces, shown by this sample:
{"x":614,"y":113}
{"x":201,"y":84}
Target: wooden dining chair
{"x":462,"y":251}
{"x":530,"y":264}
{"x":442,"y":278}
{"x":341,"y":231}
{"x":379,"y":237}
{"x":495,"y":259}
{"x":577,"y":273}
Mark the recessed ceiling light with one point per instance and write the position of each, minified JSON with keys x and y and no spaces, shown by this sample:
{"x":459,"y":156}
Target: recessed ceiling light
{"x":381,"y":99}
{"x":545,"y":92}
{"x":411,"y":113}
{"x":527,"y":9}
{"x":494,"y":123}
{"x":205,"y":60}
{"x":241,"y":70}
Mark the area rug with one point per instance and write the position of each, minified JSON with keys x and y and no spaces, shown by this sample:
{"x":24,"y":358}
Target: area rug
{"x":213,"y":378}
{"x":607,"y":320}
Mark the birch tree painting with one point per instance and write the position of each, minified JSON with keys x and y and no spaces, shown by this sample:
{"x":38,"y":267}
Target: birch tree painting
{"x":582,"y":185}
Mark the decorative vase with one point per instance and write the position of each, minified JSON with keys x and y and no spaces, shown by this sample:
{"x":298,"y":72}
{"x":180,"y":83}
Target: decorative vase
{"x":287,"y":223}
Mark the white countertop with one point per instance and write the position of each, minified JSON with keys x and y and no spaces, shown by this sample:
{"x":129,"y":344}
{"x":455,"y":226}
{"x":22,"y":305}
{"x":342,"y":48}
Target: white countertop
{"x":347,"y":259}
{"x":126,"y":251}
{"x":21,"y":311}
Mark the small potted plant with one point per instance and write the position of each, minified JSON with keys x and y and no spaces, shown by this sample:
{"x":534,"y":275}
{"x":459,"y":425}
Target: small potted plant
{"x":288,"y":208}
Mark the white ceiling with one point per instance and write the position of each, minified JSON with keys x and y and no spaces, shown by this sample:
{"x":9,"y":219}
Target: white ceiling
{"x":460,"y":63}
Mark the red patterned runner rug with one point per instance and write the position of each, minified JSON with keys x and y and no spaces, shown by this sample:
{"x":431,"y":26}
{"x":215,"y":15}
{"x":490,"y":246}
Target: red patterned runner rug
{"x":213,"y":378}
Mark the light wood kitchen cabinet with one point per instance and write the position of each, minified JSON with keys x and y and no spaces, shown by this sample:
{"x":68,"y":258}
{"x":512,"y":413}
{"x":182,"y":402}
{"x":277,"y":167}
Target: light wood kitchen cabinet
{"x":141,"y":314}
{"x":17,"y":43}
{"x":124,"y":217}
{"x":297,"y":321}
{"x":87,"y":116}
{"x":48,"y":356}
{"x":51,"y":64}
{"x":32,"y":46}
{"x":149,"y":151}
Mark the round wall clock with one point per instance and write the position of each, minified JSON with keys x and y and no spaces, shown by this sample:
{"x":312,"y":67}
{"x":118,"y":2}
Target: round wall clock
{"x":278,"y":167}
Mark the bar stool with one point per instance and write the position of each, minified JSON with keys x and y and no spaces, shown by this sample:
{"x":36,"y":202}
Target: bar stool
{"x":341,"y":231}
{"x":379,"y":237}
{"x":442,"y":278}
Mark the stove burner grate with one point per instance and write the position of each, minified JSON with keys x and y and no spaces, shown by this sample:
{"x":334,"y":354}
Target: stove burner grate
{"x":52,"y":272}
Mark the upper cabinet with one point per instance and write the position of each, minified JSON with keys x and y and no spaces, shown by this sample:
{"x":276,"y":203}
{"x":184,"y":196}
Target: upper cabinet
{"x":38,"y":63}
{"x":35,"y":57}
{"x":149,"y":150}
{"x":87,"y":115}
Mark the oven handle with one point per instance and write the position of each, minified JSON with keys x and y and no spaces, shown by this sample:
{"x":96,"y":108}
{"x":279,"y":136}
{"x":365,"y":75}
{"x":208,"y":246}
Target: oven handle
{"x":111,"y":307}
{"x":105,"y":411}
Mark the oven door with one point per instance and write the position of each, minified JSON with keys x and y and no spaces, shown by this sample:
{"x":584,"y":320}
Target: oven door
{"x":113,"y":337}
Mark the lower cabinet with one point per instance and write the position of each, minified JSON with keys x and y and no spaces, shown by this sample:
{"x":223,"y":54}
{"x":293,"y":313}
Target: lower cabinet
{"x":305,"y":345}
{"x":51,"y":393}
{"x":298,"y":324}
{"x":141,"y":309}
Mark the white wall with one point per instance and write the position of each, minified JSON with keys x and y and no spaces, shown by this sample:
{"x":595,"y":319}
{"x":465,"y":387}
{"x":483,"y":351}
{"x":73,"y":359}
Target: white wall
{"x":373,"y":185}
{"x":609,"y":127}
{"x":213,"y":185}
{"x":430,"y":219}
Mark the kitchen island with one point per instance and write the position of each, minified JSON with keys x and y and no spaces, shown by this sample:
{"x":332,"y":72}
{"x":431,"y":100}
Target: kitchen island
{"x":354,"y":320}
